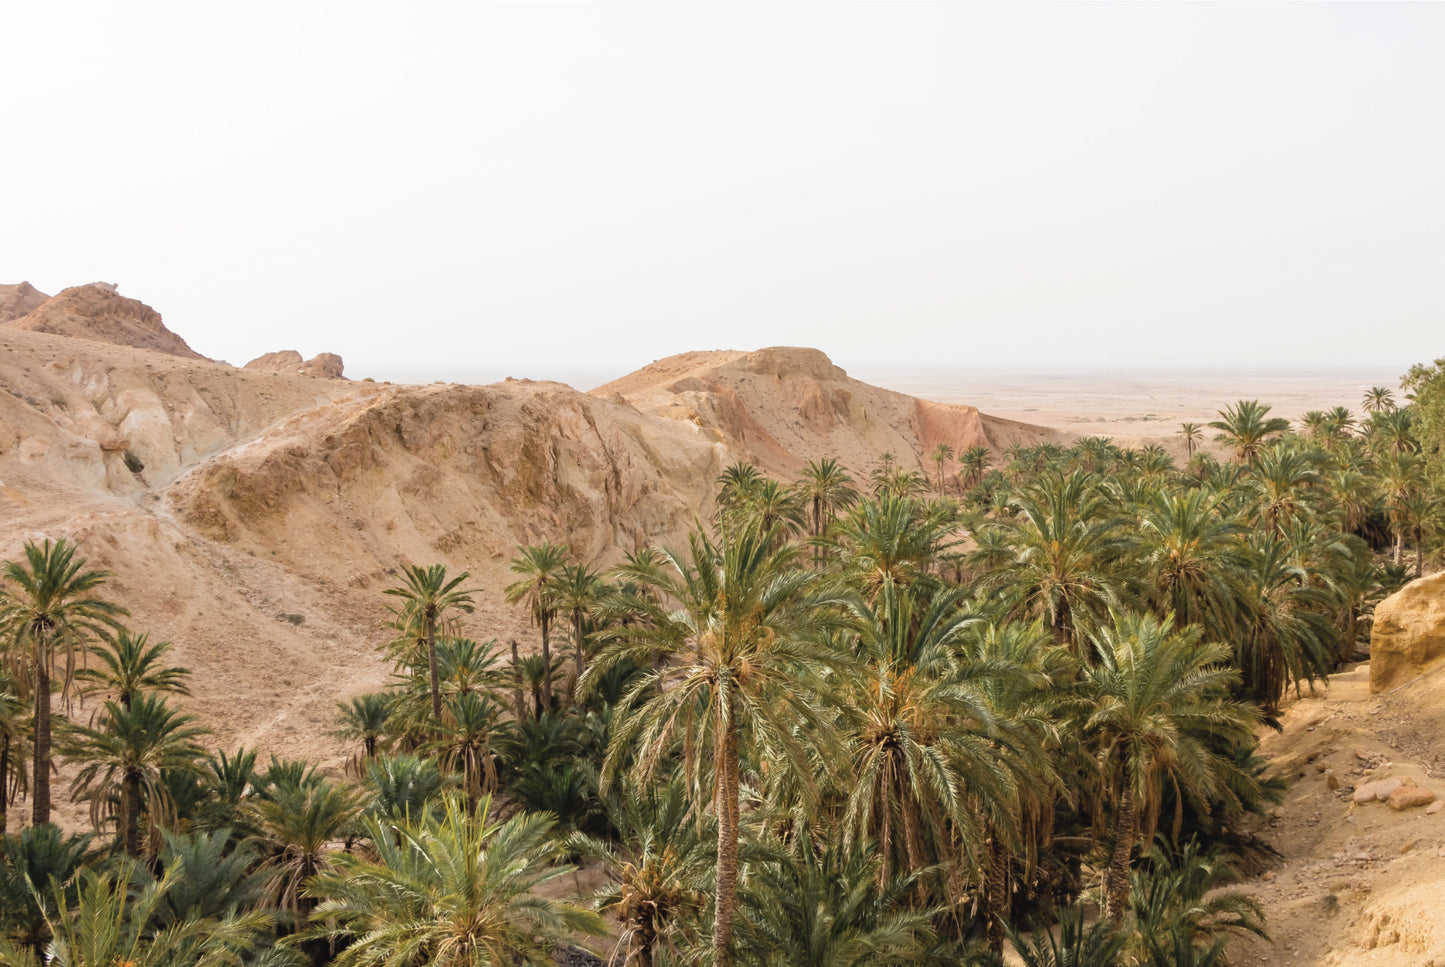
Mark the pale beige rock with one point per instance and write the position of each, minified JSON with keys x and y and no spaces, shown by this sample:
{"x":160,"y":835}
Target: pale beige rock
{"x":325,"y":365}
{"x":1409,"y":633}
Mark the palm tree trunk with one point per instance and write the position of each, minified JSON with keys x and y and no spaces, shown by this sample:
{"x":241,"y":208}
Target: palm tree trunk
{"x":519,"y":707}
{"x":996,"y":896}
{"x":130,"y":807}
{"x":40,"y":771}
{"x":727,"y":839}
{"x":581,"y":657}
{"x":1116,"y":880}
{"x":1399,"y":545}
{"x":4,"y":783}
{"x":431,"y":660}
{"x":546,"y":623}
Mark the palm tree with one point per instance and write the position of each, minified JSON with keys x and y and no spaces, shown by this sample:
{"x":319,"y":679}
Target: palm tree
{"x":1195,"y":561}
{"x":32,"y":862}
{"x":1393,"y":431}
{"x":813,"y":908}
{"x":935,"y":769}
{"x":973,"y":463}
{"x":892,"y":540}
{"x":1339,"y":421}
{"x":427,"y":600}
{"x":779,"y":509}
{"x":1378,"y":399}
{"x":464,"y":744}
{"x":1161,"y":717}
{"x":299,"y":818}
{"x":1070,"y":547}
{"x":130,"y":664}
{"x":541,"y":567}
{"x":1399,"y":477}
{"x":942,"y":453}
{"x":454,"y":890}
{"x":47,"y":615}
{"x":580,"y":591}
{"x":826,"y":488}
{"x":735,"y":630}
{"x":1313,"y":424}
{"x":1246,"y":426}
{"x":364,"y":721}
{"x":1192,"y":434}
{"x":660,"y":869}
{"x":113,"y":920}
{"x":127,"y":757}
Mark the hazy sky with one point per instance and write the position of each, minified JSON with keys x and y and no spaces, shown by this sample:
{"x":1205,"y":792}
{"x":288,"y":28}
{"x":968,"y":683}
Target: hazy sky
{"x":540,"y":189}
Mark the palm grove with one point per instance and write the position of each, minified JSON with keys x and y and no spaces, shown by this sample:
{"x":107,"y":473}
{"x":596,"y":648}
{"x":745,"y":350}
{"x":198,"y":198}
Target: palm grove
{"x":900,"y":718}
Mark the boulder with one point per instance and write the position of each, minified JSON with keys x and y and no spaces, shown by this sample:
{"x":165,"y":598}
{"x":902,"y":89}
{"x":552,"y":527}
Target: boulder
{"x":1408,"y":797}
{"x":1409,"y":633}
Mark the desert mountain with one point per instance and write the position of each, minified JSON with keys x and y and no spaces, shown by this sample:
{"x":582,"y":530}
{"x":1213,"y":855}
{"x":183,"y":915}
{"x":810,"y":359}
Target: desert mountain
{"x":98,"y":312}
{"x":17,"y":300}
{"x":783,"y":406}
{"x":326,"y":365}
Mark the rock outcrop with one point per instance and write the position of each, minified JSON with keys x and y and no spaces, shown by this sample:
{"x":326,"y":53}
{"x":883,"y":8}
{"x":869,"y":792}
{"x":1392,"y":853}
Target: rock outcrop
{"x":100,"y":313}
{"x":1409,"y":632}
{"x":18,"y":300}
{"x":289,"y":361}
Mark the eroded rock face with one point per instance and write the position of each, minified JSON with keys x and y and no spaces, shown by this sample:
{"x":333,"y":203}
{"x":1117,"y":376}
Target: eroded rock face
{"x":1409,"y":633}
{"x":19,"y":300}
{"x":100,"y":313}
{"x":325,"y":365}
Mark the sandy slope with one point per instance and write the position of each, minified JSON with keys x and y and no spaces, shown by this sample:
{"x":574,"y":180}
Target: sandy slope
{"x":1357,"y":884}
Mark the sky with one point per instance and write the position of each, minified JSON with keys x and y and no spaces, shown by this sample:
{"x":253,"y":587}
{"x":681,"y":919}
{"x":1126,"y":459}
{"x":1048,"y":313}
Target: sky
{"x":465,"y":191}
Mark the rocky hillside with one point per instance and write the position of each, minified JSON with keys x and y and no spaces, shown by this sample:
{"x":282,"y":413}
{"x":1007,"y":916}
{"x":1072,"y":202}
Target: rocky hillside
{"x":99,"y":312}
{"x":17,"y":300}
{"x":783,"y":406}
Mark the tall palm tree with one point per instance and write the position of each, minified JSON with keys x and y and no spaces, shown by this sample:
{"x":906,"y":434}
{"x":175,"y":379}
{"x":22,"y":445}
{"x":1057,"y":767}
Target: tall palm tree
{"x":1162,"y":718}
{"x":126,"y":759}
{"x":428,"y":599}
{"x":734,"y":665}
{"x":1247,"y":427}
{"x":541,"y":567}
{"x":580,"y":592}
{"x":454,"y":890}
{"x":1195,"y":561}
{"x":47,"y":615}
{"x":942,"y":453}
{"x":1378,"y":399}
{"x":129,"y":665}
{"x":935,"y":768}
{"x":1192,"y":435}
{"x":826,"y":488}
